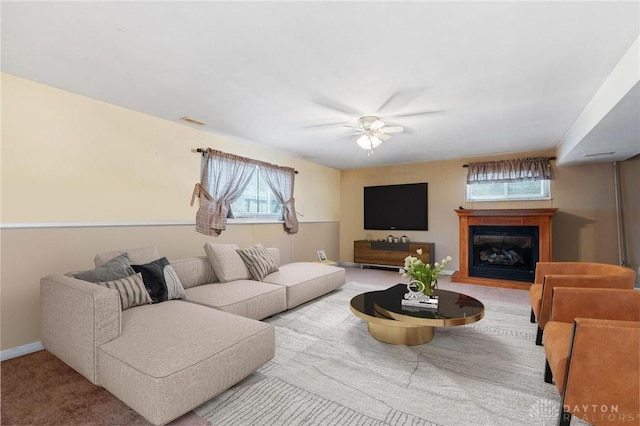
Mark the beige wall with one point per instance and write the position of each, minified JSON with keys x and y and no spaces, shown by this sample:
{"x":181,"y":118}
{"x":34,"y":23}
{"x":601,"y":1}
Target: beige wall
{"x":584,"y":228}
{"x":71,"y":159}
{"x":67,"y":158}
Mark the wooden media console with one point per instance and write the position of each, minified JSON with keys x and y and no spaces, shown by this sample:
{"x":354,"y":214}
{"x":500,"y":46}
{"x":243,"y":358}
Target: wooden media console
{"x":382,"y":253}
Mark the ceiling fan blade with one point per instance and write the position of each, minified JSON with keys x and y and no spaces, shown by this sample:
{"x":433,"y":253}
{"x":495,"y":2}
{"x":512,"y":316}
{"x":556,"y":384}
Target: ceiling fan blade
{"x":336,"y":106}
{"x":377,"y":124}
{"x":401,"y":97}
{"x":413,"y":114}
{"x":391,"y":129}
{"x":311,"y":126}
{"x":388,"y":101}
{"x":349,"y":126}
{"x":382,"y":136}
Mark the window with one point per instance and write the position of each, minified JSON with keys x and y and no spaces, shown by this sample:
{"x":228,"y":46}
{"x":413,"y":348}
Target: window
{"x":255,"y":189}
{"x":257,"y":201}
{"x":509,"y":191}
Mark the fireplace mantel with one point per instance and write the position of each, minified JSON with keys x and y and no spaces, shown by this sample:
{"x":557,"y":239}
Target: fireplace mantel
{"x":502,"y":217}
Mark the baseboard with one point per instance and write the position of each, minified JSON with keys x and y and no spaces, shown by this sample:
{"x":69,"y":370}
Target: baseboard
{"x":21,"y":350}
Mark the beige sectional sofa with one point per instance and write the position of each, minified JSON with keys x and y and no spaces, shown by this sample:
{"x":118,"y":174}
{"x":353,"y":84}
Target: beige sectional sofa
{"x":164,"y":359}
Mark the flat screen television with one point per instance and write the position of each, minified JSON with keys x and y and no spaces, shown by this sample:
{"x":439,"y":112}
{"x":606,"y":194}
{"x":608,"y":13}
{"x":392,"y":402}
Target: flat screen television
{"x":396,"y":207}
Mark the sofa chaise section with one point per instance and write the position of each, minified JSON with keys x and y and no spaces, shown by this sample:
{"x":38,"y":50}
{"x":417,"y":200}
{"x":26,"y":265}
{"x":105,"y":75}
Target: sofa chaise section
{"x":174,"y":356}
{"x":162,"y":359}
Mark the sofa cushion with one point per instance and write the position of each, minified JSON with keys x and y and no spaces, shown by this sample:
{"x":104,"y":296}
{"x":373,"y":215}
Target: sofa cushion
{"x":305,"y":281}
{"x":173,"y":356}
{"x":251,"y":299}
{"x":226,"y":262}
{"x":114,"y":269}
{"x":161,"y":280}
{"x":557,"y":340}
{"x":137,"y":256}
{"x":194,"y":271}
{"x":259,"y":261}
{"x":131,"y":290}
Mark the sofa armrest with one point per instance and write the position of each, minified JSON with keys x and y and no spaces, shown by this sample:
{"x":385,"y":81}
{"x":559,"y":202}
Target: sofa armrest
{"x":603,"y":369}
{"x":570,"y":303}
{"x":76,"y":317}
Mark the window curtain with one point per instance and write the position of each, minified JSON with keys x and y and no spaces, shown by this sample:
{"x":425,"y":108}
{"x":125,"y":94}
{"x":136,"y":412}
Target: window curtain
{"x":535,"y":168}
{"x":280,"y":180}
{"x":224,"y":177}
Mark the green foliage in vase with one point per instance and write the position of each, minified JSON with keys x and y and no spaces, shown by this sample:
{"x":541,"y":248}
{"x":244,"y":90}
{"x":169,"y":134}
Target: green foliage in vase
{"x":423,"y":273}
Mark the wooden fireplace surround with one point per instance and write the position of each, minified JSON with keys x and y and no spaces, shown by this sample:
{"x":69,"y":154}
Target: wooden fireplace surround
{"x":507,"y":217}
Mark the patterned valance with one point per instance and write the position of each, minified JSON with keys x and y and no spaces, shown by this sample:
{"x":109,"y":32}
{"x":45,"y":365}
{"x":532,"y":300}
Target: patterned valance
{"x":519,"y":169}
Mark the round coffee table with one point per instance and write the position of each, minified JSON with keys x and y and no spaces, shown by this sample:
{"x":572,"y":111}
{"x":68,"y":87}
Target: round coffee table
{"x":391,"y":322}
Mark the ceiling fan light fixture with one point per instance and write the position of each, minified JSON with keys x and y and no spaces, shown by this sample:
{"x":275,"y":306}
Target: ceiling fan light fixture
{"x":368,"y":142}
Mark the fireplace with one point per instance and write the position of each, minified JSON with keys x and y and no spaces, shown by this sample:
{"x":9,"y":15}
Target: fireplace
{"x":501,"y":247}
{"x":503,"y":252}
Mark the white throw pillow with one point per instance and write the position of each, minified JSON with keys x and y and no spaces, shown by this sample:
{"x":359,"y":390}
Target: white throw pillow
{"x":226,"y":262}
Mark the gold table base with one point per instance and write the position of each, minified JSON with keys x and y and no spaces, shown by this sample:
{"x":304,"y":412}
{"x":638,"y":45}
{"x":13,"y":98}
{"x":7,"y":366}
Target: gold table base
{"x":398,"y":335}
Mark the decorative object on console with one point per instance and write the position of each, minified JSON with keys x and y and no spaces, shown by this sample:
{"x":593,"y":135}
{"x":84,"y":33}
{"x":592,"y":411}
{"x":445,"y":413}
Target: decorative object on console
{"x":424,"y":276}
{"x":322,"y":256}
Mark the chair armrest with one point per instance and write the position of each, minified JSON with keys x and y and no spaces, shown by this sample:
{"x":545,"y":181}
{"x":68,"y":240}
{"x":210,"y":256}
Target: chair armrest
{"x":76,"y":317}
{"x":557,"y":268}
{"x":552,"y":282}
{"x":570,"y":303}
{"x":603,"y":369}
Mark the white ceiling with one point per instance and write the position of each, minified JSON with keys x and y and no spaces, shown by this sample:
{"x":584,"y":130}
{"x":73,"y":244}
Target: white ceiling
{"x":497,"y":77}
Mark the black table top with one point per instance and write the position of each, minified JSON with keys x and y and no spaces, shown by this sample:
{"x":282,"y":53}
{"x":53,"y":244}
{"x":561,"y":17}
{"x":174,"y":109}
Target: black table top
{"x":453,"y":308}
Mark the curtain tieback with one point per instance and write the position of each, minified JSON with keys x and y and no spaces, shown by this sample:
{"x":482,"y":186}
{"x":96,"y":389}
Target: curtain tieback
{"x":198,"y":191}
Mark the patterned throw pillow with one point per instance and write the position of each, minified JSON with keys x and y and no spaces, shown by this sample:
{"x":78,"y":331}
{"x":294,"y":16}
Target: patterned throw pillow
{"x":226,"y":262}
{"x":161,"y":280}
{"x":259,"y":261}
{"x":131,"y":289}
{"x":116,"y":268}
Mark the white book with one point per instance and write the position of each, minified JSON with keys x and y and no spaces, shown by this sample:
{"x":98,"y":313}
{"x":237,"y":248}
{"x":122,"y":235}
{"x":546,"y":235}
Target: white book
{"x":431,"y":303}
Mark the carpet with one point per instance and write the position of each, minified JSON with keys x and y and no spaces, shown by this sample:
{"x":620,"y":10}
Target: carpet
{"x":328,"y":370}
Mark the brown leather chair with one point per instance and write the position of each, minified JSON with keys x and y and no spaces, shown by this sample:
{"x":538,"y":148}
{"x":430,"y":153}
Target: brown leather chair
{"x":592,"y":345}
{"x":550,"y":275}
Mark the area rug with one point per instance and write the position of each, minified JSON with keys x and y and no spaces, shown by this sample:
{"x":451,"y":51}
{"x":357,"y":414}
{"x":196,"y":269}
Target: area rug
{"x":328,"y":370}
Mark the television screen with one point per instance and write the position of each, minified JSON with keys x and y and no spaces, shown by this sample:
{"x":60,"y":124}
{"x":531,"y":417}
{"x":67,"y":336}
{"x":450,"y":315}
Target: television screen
{"x":396,"y":207}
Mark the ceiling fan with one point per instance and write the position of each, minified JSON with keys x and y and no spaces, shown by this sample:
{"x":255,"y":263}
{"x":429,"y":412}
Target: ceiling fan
{"x":373,"y":131}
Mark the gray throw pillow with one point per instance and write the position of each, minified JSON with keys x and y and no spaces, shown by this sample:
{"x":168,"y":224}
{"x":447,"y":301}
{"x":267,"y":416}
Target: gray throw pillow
{"x":116,"y":268}
{"x":131,"y":290}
